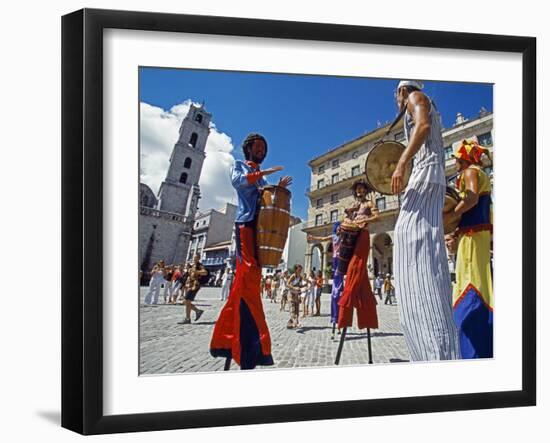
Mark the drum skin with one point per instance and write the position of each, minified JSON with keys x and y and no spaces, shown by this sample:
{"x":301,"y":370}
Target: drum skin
{"x":272,"y":224}
{"x":452,"y":198}
{"x":380,"y":164}
{"x":348,"y":239}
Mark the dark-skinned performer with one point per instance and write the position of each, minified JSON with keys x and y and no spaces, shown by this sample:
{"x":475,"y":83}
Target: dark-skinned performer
{"x":422,"y":278}
{"x":241,"y":331}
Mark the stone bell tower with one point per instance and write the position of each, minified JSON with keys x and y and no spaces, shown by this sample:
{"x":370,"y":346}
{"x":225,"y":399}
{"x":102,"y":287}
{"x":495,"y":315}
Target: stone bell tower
{"x":186,"y":161}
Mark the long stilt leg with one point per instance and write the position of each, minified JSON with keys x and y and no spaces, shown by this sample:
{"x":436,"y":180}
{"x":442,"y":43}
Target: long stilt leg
{"x":227,"y":364}
{"x":340,"y":346}
{"x":369,"y":346}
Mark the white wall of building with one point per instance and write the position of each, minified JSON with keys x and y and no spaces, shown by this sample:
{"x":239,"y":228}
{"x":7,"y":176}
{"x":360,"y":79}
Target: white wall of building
{"x":295,"y":247}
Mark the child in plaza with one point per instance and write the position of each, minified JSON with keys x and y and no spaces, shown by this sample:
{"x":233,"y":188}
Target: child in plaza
{"x":378,"y":282}
{"x":296,"y":284}
{"x":169,"y":272}
{"x":284,"y":290}
{"x":309,"y":301}
{"x":388,"y":290}
{"x":268,"y":293}
{"x":176,"y":284}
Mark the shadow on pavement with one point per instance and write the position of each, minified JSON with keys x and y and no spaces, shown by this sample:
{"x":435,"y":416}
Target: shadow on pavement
{"x":304,"y":329}
{"x":373,"y":335}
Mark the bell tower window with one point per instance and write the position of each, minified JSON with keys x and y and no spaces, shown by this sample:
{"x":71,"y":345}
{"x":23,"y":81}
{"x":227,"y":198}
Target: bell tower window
{"x":193,"y":139}
{"x":183,"y":177}
{"x":198,"y":118}
{"x":187,"y":163}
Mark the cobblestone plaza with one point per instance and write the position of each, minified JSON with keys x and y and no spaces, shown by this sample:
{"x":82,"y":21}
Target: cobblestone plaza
{"x":167,"y":347}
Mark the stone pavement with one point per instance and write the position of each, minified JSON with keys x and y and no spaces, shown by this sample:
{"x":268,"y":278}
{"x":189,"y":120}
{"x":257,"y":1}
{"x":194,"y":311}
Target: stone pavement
{"x":166,"y":347}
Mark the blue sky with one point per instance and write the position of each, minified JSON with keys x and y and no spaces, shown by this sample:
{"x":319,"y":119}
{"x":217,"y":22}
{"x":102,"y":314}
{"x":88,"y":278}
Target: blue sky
{"x":301,"y":116}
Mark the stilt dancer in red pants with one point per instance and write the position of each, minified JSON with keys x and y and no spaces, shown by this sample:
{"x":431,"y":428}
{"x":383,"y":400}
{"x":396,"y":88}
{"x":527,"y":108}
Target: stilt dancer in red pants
{"x":358,"y":293}
{"x":241,"y":332}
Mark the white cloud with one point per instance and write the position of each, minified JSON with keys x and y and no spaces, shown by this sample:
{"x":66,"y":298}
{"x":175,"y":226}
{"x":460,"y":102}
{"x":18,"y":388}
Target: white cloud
{"x":159,"y":132}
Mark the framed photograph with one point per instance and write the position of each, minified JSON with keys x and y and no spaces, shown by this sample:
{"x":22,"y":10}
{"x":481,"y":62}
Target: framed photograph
{"x":269,"y":221}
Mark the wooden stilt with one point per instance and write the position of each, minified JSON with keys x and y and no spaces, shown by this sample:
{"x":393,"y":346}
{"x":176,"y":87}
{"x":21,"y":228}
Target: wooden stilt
{"x":333,"y":329}
{"x":227,"y":364}
{"x":340,"y":346}
{"x":369,"y":346}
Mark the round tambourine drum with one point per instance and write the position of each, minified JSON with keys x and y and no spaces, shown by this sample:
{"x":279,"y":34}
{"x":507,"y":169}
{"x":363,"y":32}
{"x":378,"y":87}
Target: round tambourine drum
{"x":452,"y":198}
{"x":272,"y":224}
{"x":380,"y":164}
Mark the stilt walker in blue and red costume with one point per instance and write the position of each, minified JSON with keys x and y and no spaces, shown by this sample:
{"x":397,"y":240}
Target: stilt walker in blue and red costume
{"x":241,"y":331}
{"x":337,"y":277}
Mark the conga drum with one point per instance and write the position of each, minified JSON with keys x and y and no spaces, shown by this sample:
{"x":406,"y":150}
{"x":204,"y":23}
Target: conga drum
{"x":452,"y":198}
{"x":380,"y":165}
{"x":348,"y":238}
{"x":272,"y":224}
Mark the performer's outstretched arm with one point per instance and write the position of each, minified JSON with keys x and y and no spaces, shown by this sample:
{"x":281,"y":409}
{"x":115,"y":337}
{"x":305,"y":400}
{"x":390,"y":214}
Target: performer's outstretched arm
{"x":241,"y":178}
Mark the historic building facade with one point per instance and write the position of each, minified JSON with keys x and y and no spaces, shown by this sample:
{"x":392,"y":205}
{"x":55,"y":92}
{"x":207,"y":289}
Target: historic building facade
{"x":333,"y":173}
{"x":166,"y":220}
{"x":212,"y":236}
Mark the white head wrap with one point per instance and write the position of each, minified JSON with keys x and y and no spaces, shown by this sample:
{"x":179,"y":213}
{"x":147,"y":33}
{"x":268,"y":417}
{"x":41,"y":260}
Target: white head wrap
{"x":413,"y":83}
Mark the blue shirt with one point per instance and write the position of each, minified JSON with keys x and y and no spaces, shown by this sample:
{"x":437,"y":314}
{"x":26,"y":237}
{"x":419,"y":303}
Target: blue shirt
{"x":248,"y":193}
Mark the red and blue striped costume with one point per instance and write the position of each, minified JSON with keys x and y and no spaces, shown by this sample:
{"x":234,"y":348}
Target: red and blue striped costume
{"x":241,"y":330}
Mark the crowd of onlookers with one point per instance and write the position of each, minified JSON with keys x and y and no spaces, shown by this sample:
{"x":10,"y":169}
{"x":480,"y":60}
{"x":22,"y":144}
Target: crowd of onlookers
{"x":297,"y":293}
{"x":168,"y":279}
{"x":295,"y":289}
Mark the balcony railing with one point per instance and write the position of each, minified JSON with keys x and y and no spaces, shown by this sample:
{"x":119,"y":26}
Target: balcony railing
{"x":343,"y":176}
{"x":216,"y":261}
{"x":325,"y":221}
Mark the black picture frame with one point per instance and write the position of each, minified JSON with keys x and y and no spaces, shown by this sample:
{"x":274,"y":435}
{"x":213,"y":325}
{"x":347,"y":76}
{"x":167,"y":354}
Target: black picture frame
{"x":82,"y":218}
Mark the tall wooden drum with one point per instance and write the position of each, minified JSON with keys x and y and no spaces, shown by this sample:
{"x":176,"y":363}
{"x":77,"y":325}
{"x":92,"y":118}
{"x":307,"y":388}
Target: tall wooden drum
{"x":380,"y":164}
{"x":272,"y":224}
{"x":349,"y":234}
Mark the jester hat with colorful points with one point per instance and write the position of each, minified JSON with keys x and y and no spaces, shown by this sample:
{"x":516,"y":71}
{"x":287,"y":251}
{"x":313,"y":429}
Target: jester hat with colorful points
{"x":470,"y":151}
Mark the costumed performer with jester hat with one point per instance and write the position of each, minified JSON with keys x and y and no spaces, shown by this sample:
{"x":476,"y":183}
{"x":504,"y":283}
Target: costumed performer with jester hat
{"x":241,"y":331}
{"x":473,"y":292}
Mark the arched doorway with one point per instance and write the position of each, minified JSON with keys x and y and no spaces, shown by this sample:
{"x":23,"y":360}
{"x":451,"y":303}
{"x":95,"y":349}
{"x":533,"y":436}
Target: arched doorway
{"x":382,"y":254}
{"x":316,"y":257}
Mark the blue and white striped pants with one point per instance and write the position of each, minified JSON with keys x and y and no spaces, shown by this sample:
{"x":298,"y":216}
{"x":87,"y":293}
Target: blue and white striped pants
{"x":422,"y":279}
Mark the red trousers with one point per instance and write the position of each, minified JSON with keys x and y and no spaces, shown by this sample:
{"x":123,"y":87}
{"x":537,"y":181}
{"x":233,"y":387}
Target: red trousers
{"x":357,"y":290}
{"x":241,"y":331}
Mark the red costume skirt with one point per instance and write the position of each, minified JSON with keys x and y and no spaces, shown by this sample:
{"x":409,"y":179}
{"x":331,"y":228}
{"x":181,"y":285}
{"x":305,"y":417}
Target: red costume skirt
{"x":357,"y":289}
{"x":241,"y":331}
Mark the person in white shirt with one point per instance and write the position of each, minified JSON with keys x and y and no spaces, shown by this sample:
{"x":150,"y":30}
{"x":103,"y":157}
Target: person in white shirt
{"x":227,"y":280}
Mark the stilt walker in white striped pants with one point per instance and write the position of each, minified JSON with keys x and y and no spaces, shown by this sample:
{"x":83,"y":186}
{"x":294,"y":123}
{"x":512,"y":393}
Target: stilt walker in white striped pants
{"x":422,"y":279}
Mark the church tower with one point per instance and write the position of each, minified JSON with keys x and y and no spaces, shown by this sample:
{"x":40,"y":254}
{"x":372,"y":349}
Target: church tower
{"x":186,"y":162}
